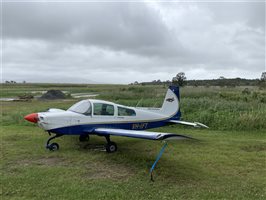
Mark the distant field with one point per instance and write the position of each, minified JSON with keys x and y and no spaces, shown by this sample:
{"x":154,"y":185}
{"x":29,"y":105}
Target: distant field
{"x":221,"y":108}
{"x":228,"y":161}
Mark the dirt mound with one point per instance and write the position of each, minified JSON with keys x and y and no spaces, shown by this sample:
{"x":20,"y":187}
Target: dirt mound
{"x":53,"y":94}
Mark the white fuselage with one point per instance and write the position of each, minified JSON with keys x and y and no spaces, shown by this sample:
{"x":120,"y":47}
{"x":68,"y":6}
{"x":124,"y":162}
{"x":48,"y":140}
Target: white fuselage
{"x":118,"y":114}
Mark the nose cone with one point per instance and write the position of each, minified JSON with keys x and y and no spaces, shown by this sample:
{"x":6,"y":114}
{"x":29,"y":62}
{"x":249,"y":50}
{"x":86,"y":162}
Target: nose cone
{"x":33,"y":117}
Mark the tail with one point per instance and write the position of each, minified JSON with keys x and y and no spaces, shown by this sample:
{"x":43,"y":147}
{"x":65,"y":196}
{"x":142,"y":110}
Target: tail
{"x":171,"y":104}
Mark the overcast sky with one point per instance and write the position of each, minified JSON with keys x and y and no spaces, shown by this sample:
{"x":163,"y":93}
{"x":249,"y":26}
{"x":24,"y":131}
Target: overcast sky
{"x":114,"y":42}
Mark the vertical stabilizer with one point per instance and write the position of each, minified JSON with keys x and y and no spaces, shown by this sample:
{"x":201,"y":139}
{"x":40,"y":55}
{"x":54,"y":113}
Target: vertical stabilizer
{"x":171,"y":104}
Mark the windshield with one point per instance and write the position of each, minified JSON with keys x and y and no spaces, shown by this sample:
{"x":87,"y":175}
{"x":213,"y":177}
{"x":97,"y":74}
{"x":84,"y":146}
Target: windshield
{"x":82,"y":107}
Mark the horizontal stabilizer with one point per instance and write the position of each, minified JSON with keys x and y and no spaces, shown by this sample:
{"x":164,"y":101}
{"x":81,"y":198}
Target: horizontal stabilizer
{"x":140,"y":134}
{"x":195,"y":124}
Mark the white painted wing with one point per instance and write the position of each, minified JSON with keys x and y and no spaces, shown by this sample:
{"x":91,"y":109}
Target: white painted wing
{"x":195,"y":124}
{"x":140,"y":134}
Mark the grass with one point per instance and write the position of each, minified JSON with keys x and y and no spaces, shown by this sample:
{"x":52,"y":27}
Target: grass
{"x":228,"y":161}
{"x":223,"y":165}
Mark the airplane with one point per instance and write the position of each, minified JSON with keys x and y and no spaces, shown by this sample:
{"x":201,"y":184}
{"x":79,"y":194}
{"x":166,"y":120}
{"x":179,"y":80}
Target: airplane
{"x":104,"y":118}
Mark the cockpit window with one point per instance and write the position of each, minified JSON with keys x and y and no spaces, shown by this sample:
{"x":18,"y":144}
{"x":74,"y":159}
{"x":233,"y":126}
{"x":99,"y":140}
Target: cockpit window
{"x":103,"y":109}
{"x":126,"y":112}
{"x":82,"y":107}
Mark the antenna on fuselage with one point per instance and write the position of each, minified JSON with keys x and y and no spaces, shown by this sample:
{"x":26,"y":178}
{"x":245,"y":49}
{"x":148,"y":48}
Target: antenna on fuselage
{"x":139,"y":102}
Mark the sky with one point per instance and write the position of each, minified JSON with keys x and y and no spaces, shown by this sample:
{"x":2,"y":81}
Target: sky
{"x":120,"y":42}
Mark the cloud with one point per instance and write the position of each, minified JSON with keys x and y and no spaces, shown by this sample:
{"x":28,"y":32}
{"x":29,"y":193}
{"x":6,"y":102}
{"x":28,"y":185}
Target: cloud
{"x":132,"y":27}
{"x":123,"y":42}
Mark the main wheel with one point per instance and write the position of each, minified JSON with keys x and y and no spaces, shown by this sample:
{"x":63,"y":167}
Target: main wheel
{"x":111,"y":147}
{"x":53,"y":147}
{"x":84,"y":138}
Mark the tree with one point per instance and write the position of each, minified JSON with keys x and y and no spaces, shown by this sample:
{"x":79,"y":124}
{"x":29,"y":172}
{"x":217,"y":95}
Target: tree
{"x":262,"y":81}
{"x":168,"y":82}
{"x":263,"y":76}
{"x":179,"y":79}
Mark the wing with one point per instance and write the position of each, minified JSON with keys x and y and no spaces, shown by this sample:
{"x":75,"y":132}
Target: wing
{"x":140,"y":134}
{"x":195,"y":124}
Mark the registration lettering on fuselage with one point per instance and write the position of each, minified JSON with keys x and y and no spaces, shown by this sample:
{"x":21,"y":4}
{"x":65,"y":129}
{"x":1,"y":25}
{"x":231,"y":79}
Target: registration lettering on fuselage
{"x":139,"y":126}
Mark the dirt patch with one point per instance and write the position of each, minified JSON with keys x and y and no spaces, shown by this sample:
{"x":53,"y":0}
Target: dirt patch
{"x":16,"y":166}
{"x":49,"y":161}
{"x":52,"y":95}
{"x":16,"y":137}
{"x":254,"y":148}
{"x":108,"y":171}
{"x":93,"y":170}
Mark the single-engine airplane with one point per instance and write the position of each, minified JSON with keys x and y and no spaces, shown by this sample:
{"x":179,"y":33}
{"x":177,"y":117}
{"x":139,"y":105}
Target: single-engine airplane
{"x":103,"y":118}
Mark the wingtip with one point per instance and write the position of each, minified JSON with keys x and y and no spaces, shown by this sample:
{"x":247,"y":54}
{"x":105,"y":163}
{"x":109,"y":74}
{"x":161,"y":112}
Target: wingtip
{"x":200,"y":125}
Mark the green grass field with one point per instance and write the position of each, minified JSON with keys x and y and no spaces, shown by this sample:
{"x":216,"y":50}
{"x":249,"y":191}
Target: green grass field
{"x":228,"y":161}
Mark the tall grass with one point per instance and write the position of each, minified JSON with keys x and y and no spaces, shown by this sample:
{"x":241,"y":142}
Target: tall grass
{"x":222,"y":114}
{"x":219,"y":108}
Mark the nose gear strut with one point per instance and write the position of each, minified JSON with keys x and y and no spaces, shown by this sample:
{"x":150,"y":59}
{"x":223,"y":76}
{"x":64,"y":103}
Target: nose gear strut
{"x":54,"y":146}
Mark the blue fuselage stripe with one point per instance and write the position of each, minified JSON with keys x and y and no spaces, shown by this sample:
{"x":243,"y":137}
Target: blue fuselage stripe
{"x":88,"y":128}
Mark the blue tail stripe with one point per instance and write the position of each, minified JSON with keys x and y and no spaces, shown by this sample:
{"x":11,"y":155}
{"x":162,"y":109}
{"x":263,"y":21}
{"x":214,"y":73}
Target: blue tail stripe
{"x":175,"y":89}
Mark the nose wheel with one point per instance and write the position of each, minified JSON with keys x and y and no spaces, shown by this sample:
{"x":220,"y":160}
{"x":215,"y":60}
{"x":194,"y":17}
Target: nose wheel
{"x":54,"y":146}
{"x":110,"y":147}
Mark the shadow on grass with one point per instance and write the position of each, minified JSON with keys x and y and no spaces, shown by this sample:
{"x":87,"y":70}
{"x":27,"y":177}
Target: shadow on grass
{"x":137,"y":156}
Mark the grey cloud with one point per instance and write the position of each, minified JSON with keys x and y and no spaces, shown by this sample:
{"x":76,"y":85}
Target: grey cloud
{"x":253,"y":12}
{"x":132,"y":27}
{"x":123,"y":42}
{"x":219,"y":35}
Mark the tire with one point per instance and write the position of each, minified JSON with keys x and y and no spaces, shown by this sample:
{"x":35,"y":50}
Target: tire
{"x":84,"y":138}
{"x":111,"y":147}
{"x":53,"y":147}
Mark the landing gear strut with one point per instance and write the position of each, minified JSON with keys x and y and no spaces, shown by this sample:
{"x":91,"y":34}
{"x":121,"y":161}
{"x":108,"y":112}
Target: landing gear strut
{"x":110,"y":147}
{"x":54,"y":146}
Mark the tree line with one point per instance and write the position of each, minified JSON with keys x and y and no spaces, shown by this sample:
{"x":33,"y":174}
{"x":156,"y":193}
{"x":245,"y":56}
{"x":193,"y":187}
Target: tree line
{"x":181,"y":80}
